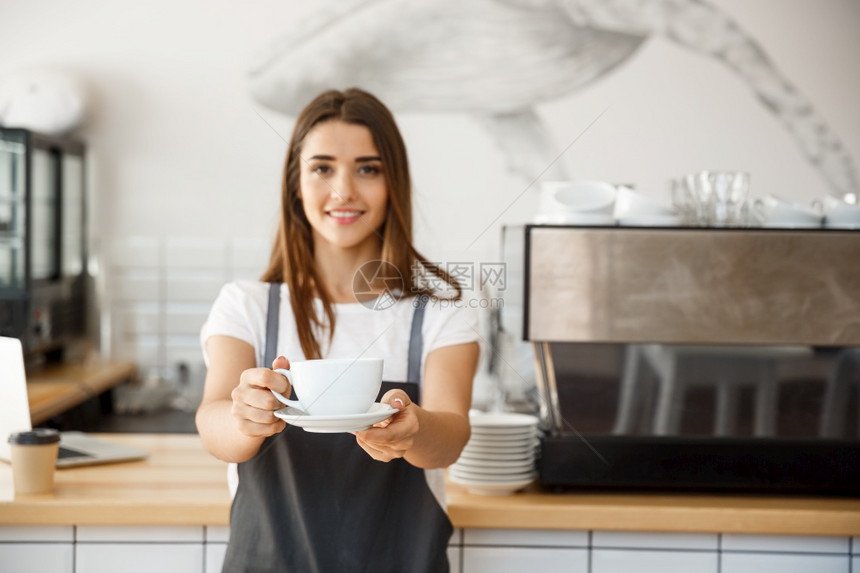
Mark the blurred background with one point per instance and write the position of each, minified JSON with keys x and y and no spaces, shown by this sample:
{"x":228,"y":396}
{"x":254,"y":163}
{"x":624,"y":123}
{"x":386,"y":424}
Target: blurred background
{"x":185,"y":151}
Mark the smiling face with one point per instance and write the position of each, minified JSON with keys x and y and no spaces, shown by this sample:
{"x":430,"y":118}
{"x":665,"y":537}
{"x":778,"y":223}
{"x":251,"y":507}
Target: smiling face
{"x":342,"y":186}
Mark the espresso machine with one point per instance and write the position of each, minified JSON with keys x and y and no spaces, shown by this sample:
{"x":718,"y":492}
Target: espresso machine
{"x":696,"y":359}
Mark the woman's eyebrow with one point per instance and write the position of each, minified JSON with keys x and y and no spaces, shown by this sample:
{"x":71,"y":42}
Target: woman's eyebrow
{"x":362,"y":159}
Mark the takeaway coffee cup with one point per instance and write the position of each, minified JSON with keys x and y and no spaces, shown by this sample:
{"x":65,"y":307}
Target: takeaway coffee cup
{"x":334,"y":387}
{"x":34,"y":456}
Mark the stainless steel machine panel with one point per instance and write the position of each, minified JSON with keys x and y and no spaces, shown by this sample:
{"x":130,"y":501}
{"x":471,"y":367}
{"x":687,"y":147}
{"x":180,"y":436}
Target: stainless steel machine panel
{"x":690,"y":286}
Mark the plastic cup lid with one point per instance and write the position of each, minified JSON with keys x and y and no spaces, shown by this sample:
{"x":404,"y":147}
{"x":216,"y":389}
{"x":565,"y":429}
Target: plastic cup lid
{"x":36,"y":436}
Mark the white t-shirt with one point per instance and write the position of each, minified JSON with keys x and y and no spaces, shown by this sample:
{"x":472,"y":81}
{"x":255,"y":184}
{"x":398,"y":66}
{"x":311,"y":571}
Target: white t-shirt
{"x":240,"y":311}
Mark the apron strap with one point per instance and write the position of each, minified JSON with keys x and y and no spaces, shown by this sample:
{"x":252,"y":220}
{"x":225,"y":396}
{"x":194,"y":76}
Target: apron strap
{"x":416,"y":339}
{"x":272,"y":324}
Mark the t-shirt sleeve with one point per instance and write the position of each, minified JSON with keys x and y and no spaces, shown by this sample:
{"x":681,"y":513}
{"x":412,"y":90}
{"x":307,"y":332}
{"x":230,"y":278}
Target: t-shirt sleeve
{"x":447,"y":323}
{"x":238,"y":311}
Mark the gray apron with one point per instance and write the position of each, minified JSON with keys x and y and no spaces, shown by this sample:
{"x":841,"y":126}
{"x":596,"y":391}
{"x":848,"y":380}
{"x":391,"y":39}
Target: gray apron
{"x":311,"y":502}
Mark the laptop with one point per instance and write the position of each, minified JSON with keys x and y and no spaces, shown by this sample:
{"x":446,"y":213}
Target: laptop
{"x":76,"y":448}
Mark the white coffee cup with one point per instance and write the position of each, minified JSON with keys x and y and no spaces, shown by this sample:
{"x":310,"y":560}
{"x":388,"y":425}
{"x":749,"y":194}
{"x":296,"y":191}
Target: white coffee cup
{"x":582,"y":197}
{"x":333,"y":387}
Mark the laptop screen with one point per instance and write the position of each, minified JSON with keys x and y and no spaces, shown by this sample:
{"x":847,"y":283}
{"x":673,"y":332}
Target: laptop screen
{"x":14,"y":406}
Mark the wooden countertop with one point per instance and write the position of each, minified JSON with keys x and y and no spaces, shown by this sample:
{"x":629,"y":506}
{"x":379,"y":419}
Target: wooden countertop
{"x":657,"y":512}
{"x":54,"y":389}
{"x":180,"y":484}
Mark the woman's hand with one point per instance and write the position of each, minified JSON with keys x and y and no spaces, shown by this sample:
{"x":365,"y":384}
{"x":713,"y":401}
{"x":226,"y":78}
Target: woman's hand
{"x":393,"y":437}
{"x":253,"y":402}
{"x":431,"y":435}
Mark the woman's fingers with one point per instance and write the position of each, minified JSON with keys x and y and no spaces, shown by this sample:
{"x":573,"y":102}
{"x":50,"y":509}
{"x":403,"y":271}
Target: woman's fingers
{"x":380,"y":453}
{"x":258,"y":415}
{"x":256,"y":397}
{"x":255,"y":429}
{"x":255,"y":385}
{"x":391,"y":440}
{"x":254,"y":403}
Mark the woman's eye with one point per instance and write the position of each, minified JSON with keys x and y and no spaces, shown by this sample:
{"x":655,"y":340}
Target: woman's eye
{"x":370,"y":170}
{"x":321,"y":169}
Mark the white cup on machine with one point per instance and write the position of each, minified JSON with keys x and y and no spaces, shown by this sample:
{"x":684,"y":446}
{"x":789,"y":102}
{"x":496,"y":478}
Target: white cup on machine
{"x":576,"y":203}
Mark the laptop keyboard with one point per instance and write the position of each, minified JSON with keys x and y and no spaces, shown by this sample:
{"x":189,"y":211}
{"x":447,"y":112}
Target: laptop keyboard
{"x":70,"y":453}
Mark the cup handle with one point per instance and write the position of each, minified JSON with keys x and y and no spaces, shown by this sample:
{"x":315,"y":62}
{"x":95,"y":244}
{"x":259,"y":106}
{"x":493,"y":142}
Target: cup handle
{"x":281,"y":398}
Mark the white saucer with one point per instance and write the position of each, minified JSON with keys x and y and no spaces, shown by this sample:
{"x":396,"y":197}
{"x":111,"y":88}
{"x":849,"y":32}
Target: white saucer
{"x":500,"y":456}
{"x":502,"y":432}
{"x":502,"y":420}
{"x":481,"y":487}
{"x":520,"y":447}
{"x":490,"y":477}
{"x":523,"y":433}
{"x":475,"y":464}
{"x":335,"y":424}
{"x":504,"y":444}
{"x":491,"y":474}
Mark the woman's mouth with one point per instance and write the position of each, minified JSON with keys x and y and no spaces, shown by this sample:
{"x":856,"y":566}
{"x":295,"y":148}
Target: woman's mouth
{"x":345,"y":216}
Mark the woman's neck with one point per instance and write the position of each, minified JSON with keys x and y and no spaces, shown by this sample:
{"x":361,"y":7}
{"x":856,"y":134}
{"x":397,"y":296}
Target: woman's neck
{"x":337,"y":267}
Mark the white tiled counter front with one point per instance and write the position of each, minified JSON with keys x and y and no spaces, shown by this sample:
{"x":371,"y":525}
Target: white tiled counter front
{"x":515,"y":551}
{"x":614,"y":551}
{"x":125,"y":549}
{"x":190,"y":549}
{"x":37,"y":548}
{"x":97,"y":549}
{"x":510,"y":550}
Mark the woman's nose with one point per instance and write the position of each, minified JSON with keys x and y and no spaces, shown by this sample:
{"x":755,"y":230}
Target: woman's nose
{"x":344,"y":187}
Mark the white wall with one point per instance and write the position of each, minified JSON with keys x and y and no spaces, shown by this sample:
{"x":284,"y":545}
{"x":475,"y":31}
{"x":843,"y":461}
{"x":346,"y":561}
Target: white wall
{"x":179,"y":151}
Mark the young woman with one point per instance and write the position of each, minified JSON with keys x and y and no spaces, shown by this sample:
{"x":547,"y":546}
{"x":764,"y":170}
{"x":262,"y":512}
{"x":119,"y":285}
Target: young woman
{"x":353,"y":501}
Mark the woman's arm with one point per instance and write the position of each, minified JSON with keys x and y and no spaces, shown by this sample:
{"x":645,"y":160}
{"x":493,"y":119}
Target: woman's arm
{"x":434,"y":434}
{"x":235,"y":414}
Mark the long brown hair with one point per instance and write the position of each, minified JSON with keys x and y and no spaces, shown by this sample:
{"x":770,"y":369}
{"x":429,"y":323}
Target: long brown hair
{"x":292,"y":259}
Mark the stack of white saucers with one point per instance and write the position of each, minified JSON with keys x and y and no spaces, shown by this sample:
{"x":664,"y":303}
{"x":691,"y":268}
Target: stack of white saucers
{"x":499,"y":458}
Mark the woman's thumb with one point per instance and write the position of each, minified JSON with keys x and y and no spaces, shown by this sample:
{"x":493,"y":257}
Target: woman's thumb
{"x":396,"y":399}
